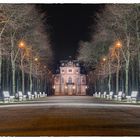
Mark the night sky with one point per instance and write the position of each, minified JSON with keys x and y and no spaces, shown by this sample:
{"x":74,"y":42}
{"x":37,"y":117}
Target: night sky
{"x":69,"y":23}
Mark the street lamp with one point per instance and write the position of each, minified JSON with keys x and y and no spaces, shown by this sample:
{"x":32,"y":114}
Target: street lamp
{"x":36,"y":59}
{"x":104,"y":59}
{"x":118,"y":44}
{"x":21,"y":44}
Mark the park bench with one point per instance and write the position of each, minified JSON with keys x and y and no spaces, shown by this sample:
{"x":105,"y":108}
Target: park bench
{"x":104,"y":94}
{"x":119,"y":96}
{"x":30,"y":95}
{"x":21,"y":97}
{"x":133,"y":97}
{"x":41,"y":94}
{"x":95,"y":94}
{"x":36,"y":95}
{"x":110,"y":95}
{"x":7,"y":98}
{"x":99,"y":94}
{"x":44,"y":94}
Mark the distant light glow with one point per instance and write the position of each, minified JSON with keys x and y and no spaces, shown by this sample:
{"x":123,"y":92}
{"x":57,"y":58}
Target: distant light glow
{"x":104,"y":59}
{"x":118,"y":44}
{"x":22,"y":44}
{"x":73,"y":87}
{"x":36,"y":59}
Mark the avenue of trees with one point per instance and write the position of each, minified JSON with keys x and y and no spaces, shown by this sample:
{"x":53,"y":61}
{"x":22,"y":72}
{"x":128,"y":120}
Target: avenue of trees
{"x":112,"y":57}
{"x":25,"y":51}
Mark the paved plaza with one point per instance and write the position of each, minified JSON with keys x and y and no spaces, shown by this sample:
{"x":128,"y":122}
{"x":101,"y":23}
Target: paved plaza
{"x":69,"y":116}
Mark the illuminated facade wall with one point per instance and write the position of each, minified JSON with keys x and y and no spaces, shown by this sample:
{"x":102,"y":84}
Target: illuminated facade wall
{"x":69,"y":81}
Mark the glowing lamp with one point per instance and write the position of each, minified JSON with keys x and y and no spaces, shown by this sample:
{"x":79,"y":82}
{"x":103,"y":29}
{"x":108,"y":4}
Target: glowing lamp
{"x":73,"y":87}
{"x":36,"y":59}
{"x":21,"y":45}
{"x":104,"y":59}
{"x":118,"y":44}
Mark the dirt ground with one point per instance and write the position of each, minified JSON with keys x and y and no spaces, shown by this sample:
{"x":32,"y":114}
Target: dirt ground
{"x":69,"y":120}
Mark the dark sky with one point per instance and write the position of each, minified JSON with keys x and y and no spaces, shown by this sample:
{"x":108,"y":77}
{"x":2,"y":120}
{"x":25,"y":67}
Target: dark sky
{"x":69,"y":23}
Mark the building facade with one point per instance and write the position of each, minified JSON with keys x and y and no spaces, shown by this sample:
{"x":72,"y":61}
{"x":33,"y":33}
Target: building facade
{"x":69,"y":81}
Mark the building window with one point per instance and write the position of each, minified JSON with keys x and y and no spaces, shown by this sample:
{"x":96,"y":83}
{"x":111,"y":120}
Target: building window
{"x":70,"y":80}
{"x":70,"y":70}
{"x":62,"y":71}
{"x":83,"y":80}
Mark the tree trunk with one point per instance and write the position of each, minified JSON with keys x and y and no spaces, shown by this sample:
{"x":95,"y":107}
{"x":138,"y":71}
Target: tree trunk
{"x":23,"y":78}
{"x":0,"y":66}
{"x":13,"y":77}
{"x":126,"y":77}
{"x":13,"y":67}
{"x":117,"y":77}
{"x":138,"y":42}
{"x":31,"y":82}
{"x":109,"y":78}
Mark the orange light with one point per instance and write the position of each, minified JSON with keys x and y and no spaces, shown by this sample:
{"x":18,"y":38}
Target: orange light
{"x":21,"y":45}
{"x":118,"y":44}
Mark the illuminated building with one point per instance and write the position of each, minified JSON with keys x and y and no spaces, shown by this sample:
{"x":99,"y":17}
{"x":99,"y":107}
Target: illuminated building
{"x":69,"y":80}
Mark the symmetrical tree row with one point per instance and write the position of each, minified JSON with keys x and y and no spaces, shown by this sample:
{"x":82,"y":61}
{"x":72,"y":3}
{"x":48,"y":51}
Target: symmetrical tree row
{"x":112,"y":57}
{"x":25,"y":51}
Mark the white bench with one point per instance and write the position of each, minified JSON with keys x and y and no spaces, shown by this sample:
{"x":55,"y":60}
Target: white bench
{"x":30,"y":95}
{"x":133,"y":97}
{"x":41,"y":94}
{"x":7,"y":98}
{"x":99,"y":94}
{"x":21,"y":97}
{"x":95,"y":95}
{"x":104,"y":94}
{"x":119,"y":96}
{"x":110,"y":95}
{"x":36,"y":95}
{"x":44,"y":94}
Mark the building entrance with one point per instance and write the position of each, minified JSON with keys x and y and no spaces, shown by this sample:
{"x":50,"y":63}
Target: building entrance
{"x":71,"y":89}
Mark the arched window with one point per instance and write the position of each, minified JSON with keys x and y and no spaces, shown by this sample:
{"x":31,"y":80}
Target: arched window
{"x":70,"y":80}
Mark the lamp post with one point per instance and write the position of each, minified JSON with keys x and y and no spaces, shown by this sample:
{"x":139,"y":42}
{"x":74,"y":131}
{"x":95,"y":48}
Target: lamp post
{"x":118,"y":46}
{"x":22,"y":46}
{"x":36,"y":72}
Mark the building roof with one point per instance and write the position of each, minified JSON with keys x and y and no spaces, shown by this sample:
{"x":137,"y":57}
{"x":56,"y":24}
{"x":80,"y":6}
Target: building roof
{"x":69,"y":63}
